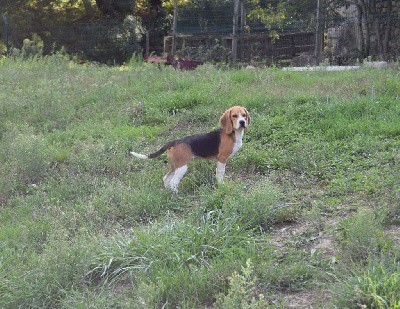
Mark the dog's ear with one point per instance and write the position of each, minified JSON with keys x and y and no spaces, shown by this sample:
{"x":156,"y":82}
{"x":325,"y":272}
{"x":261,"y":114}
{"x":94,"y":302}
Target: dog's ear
{"x":248,"y":118}
{"x":226,"y":122}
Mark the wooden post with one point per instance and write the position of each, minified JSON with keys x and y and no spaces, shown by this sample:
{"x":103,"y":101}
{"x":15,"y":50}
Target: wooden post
{"x":147,"y":43}
{"x":242,"y":24}
{"x":318,"y":35}
{"x":174,"y":28}
{"x":292,"y":46}
{"x":7,"y":34}
{"x":235,"y":30}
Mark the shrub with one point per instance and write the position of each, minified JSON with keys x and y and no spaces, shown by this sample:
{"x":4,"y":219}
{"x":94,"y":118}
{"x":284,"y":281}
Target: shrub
{"x":361,"y":237}
{"x":47,"y":278}
{"x":242,"y":290}
{"x":27,"y":156}
{"x":32,"y":48}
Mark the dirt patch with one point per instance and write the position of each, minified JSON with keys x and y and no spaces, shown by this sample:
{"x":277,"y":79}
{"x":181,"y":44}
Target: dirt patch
{"x":394,"y":234}
{"x":303,"y":300}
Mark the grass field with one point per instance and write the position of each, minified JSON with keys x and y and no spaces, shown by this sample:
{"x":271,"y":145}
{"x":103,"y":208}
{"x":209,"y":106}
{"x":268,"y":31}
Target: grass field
{"x":308,"y":215}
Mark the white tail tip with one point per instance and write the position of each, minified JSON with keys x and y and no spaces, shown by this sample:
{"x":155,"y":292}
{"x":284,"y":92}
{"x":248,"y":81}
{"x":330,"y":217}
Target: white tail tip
{"x":138,"y":155}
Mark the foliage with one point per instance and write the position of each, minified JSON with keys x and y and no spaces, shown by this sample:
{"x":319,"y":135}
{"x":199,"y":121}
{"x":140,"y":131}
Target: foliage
{"x":116,"y":9}
{"x":103,"y":31}
{"x":114,"y":42}
{"x":376,"y":287}
{"x":32,"y":48}
{"x":270,"y":15}
{"x":27,"y":156}
{"x":182,"y":248}
{"x":241,"y":291}
{"x":359,"y":242}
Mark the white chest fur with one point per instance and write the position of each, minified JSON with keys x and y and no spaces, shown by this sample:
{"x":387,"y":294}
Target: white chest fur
{"x":238,"y":142}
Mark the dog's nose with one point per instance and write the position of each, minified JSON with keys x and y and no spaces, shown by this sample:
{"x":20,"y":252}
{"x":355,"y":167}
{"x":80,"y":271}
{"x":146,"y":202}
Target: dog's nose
{"x":242,"y":123}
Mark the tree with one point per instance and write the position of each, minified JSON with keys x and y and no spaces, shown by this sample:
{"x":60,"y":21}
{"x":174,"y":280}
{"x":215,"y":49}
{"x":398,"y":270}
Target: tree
{"x":99,"y":30}
{"x":383,"y":30}
{"x":272,"y":14}
{"x":116,"y":8}
{"x":373,"y":21}
{"x":152,"y":13}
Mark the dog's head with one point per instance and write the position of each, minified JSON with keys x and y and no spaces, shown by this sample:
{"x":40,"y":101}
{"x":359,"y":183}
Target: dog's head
{"x":235,"y":118}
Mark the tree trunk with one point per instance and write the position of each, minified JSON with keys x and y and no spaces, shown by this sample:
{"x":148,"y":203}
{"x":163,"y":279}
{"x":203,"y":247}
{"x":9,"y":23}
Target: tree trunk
{"x":360,"y":13}
{"x":376,"y":16}
{"x":386,"y":38}
{"x":364,"y":22}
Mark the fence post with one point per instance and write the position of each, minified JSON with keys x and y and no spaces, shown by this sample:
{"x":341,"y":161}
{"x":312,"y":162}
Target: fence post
{"x":242,"y":25}
{"x":174,"y":27}
{"x":318,"y":34}
{"x":147,"y":52}
{"x":235,"y":30}
{"x":7,"y":31}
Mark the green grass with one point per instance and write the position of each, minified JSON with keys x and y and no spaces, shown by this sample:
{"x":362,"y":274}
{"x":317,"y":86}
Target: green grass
{"x":310,"y":203}
{"x":378,"y":286}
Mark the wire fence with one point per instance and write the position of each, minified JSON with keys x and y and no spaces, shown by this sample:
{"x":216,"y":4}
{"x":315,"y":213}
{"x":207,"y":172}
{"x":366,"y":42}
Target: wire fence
{"x":104,"y":41}
{"x":356,"y":34}
{"x":213,"y":31}
{"x":341,"y":35}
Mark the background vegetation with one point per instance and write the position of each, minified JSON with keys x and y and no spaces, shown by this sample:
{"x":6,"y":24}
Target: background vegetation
{"x":308,"y":215}
{"x":111,"y":31}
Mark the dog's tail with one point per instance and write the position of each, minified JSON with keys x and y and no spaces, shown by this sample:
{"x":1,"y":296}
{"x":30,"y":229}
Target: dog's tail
{"x":151,"y":155}
{"x":139,"y":155}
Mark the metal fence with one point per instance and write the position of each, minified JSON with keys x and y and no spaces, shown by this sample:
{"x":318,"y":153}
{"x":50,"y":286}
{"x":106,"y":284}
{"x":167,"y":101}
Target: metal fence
{"x":341,"y":35}
{"x":104,"y":41}
{"x":357,"y":34}
{"x":211,"y":31}
{"x":218,"y":31}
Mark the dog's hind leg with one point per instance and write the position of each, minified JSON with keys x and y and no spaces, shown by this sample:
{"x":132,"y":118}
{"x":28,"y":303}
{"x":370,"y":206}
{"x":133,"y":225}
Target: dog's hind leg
{"x":176,"y":179}
{"x":167,"y":178}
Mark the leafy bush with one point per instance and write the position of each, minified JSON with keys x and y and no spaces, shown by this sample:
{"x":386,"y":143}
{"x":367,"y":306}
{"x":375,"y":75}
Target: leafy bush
{"x":242,"y":290}
{"x":361,"y":236}
{"x":32,"y":48}
{"x":27,"y":156}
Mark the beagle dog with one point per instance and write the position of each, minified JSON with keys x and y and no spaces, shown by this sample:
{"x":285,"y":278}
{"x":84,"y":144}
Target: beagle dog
{"x":220,"y":145}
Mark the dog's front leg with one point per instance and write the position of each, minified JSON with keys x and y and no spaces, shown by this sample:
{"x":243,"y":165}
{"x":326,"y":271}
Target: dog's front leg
{"x":220,"y":171}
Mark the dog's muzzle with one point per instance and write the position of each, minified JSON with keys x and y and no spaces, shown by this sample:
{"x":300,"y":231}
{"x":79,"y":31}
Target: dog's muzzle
{"x":242,"y":123}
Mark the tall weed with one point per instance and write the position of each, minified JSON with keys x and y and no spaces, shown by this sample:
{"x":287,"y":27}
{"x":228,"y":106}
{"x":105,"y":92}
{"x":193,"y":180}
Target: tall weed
{"x":378,"y":286}
{"x":259,"y":208}
{"x":361,"y":235}
{"x":173,"y":253}
{"x":27,"y":156}
{"x":49,"y":276}
{"x":241,"y":293}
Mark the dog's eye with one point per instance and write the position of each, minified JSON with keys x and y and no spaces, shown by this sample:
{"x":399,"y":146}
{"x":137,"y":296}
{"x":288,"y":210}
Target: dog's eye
{"x":234,"y":116}
{"x":244,"y":115}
